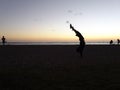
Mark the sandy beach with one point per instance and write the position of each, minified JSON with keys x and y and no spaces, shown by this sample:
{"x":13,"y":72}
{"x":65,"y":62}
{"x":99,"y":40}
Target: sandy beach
{"x":59,"y":67}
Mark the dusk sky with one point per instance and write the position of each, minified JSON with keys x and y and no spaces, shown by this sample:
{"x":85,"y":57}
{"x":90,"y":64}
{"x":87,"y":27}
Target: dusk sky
{"x":48,"y":20}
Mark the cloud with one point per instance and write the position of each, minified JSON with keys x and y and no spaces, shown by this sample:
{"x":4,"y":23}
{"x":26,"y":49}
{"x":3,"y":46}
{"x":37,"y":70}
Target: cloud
{"x":80,"y":13}
{"x":75,"y":13}
{"x":67,"y":22}
{"x":70,"y":11}
{"x":37,"y":20}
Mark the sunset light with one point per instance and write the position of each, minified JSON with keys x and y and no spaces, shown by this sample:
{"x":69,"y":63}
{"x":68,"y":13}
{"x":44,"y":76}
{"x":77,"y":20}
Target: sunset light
{"x":48,"y":20}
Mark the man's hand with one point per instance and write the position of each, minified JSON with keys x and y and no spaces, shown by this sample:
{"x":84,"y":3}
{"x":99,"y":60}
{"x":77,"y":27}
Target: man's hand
{"x":71,"y":27}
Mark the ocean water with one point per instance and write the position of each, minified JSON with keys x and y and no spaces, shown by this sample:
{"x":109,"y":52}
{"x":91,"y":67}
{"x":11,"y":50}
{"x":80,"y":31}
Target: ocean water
{"x":54,"y":43}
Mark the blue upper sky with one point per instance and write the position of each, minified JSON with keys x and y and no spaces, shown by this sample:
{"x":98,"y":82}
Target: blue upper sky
{"x":48,"y":20}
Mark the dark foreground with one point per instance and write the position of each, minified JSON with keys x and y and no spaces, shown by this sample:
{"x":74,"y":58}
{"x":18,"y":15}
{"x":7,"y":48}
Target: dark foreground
{"x":59,"y":68}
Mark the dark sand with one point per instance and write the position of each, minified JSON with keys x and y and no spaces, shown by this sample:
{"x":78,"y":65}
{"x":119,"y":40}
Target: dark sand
{"x":59,"y":68}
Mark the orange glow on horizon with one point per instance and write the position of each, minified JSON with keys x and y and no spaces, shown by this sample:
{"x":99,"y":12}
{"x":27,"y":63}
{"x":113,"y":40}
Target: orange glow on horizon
{"x":59,"y":39}
{"x":55,"y":36}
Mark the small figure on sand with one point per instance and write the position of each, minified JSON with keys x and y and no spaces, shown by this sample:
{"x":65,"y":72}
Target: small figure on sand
{"x":111,"y":42}
{"x":81,"y":39}
{"x":118,"y":41}
{"x":3,"y":40}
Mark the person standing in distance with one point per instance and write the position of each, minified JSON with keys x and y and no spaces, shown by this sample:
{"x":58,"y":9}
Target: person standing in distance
{"x":3,"y":40}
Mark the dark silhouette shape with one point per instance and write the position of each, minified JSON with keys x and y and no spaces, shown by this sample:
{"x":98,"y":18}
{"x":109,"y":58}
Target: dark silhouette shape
{"x":3,"y":40}
{"x":118,"y":41}
{"x":81,"y":39}
{"x":111,"y":42}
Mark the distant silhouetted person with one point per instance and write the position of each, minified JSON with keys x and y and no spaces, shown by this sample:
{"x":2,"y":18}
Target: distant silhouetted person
{"x":118,"y":41}
{"x":3,"y":40}
{"x":111,"y":42}
{"x":82,"y":41}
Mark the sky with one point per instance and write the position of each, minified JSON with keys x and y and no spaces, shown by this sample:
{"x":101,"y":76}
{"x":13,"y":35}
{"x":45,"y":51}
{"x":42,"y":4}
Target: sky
{"x":48,"y":20}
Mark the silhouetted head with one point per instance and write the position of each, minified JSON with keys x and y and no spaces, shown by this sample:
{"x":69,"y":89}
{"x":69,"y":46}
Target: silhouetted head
{"x":111,"y":41}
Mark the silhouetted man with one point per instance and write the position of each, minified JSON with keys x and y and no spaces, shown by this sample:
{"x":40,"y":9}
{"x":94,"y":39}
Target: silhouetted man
{"x":3,"y":40}
{"x":111,"y":42}
{"x":118,"y":41}
{"x":82,"y":41}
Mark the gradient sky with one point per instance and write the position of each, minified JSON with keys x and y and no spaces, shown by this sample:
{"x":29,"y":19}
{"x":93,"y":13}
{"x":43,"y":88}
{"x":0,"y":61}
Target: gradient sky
{"x":48,"y":20}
